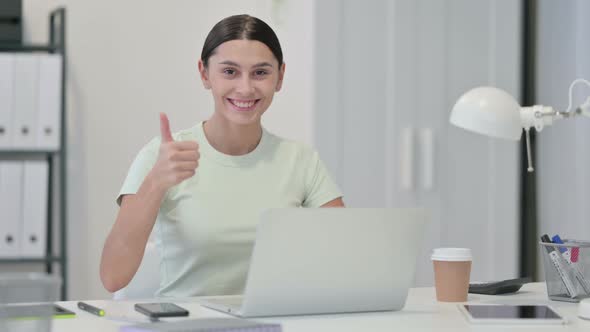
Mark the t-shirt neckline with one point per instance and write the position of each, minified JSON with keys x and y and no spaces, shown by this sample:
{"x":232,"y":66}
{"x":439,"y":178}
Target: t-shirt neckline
{"x":208,"y":151}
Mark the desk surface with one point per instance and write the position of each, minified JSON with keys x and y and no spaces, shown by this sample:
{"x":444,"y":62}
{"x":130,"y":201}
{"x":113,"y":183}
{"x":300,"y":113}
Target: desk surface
{"x":421,"y":313}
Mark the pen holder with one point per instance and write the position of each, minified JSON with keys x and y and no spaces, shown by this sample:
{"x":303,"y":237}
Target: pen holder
{"x":567,"y":270}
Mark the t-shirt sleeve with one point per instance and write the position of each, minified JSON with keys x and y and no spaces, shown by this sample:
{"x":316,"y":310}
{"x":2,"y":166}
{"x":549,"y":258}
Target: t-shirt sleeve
{"x":320,"y":188}
{"x":141,"y":166}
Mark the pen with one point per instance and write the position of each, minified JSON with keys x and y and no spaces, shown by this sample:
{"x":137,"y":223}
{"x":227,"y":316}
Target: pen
{"x":91,"y":309}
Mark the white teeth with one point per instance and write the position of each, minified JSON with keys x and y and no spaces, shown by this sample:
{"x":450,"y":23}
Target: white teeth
{"x":241,"y":104}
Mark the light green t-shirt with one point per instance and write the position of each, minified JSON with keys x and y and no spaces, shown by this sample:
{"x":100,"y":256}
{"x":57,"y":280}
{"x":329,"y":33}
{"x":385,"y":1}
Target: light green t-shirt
{"x":206,"y":225}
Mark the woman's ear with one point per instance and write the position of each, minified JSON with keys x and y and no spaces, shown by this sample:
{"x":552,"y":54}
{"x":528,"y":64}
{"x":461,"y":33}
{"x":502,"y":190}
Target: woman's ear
{"x":204,"y":75}
{"x":281,"y":75}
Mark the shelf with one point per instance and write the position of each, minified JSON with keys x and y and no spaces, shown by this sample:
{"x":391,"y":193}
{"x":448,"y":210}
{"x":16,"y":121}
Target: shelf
{"x":23,"y":153}
{"x":31,"y":260}
{"x":28,"y":48}
{"x":57,"y":190}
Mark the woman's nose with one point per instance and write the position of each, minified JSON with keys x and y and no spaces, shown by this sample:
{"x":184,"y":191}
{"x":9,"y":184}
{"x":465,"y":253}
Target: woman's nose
{"x":246,"y":86}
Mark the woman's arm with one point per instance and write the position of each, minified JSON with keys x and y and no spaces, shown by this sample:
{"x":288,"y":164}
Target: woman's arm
{"x":124,"y":247}
{"x":338,"y":202}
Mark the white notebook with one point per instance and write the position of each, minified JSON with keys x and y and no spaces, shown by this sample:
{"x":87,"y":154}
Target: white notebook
{"x":205,"y":324}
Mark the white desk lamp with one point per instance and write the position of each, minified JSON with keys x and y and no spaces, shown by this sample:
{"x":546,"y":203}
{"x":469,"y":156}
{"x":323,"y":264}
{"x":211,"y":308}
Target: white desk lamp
{"x":493,"y":112}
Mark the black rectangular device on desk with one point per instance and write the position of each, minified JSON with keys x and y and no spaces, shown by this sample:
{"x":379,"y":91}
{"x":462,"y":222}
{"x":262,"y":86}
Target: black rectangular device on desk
{"x":498,"y":287}
{"x":157,"y":310}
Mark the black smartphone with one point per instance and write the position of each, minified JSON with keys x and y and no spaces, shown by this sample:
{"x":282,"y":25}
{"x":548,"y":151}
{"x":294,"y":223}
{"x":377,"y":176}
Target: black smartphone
{"x":156,"y":310}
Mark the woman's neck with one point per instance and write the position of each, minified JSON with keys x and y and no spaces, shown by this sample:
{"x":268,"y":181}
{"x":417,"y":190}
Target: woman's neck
{"x":232,"y":139}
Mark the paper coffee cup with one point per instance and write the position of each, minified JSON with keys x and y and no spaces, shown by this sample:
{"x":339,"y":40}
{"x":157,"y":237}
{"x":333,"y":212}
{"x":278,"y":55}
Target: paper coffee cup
{"x":452,"y":267}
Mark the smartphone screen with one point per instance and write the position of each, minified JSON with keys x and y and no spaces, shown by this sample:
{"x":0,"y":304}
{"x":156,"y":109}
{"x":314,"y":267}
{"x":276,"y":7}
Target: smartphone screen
{"x":161,"y":309}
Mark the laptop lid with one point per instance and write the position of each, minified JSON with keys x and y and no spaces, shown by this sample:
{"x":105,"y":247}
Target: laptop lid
{"x":332,"y":260}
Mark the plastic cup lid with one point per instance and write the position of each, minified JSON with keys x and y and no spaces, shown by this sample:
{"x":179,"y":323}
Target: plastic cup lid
{"x":451,"y":254}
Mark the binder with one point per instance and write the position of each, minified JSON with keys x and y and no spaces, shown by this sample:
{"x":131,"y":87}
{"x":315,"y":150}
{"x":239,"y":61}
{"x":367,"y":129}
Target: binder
{"x":11,"y":177}
{"x":49,"y":111}
{"x":35,"y":190}
{"x":6,"y":99}
{"x":11,"y":21}
{"x":11,"y":8}
{"x":26,"y":86}
{"x":11,"y":31}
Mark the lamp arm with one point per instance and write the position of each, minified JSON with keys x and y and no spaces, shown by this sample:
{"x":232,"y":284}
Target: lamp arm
{"x":586,"y":103}
{"x":539,"y":116}
{"x":583,"y":109}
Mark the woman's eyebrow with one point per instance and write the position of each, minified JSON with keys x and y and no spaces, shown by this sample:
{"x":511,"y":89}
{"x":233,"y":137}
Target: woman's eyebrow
{"x":258,"y":65}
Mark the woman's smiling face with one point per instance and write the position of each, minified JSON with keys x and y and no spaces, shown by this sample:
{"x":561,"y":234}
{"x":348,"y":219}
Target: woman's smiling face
{"x":243,"y":76}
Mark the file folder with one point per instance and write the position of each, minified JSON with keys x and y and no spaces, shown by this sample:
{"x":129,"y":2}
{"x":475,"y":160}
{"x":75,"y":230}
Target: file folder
{"x":49,"y":111}
{"x":26,"y":86}
{"x":11,"y":31}
{"x":6,"y":99}
{"x":35,"y":190}
{"x":11,"y":184}
{"x":11,"y":8}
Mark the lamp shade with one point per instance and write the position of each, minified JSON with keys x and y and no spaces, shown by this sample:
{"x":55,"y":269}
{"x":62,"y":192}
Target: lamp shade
{"x":488,"y":111}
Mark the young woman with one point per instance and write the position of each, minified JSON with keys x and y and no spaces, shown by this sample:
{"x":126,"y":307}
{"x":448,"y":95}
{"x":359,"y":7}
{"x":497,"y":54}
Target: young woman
{"x":202,"y":189}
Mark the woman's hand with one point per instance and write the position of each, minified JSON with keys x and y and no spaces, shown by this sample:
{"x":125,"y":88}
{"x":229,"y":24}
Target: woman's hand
{"x":177,"y":161}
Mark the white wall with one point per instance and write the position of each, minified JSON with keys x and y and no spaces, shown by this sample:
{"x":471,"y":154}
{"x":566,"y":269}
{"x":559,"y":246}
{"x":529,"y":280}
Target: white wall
{"x":130,"y":60}
{"x":396,"y":67}
{"x":563,"y":157}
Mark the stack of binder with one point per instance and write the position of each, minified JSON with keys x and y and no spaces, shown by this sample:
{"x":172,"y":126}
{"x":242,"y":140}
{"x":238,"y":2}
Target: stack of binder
{"x":30,"y":101}
{"x":30,"y":119}
{"x":23,"y":193}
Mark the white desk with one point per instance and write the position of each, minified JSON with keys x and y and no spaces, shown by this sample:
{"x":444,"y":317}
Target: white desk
{"x":421,"y":313}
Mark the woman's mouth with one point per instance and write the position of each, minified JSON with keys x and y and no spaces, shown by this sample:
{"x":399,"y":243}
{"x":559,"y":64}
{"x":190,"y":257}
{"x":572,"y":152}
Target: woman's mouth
{"x":243,"y":105}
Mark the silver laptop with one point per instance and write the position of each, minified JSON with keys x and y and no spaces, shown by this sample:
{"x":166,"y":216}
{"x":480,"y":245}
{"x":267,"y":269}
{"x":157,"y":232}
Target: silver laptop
{"x":329,"y":260}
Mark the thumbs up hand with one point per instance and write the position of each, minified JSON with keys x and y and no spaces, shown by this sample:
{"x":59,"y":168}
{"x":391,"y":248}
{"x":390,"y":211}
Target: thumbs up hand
{"x":177,"y":161}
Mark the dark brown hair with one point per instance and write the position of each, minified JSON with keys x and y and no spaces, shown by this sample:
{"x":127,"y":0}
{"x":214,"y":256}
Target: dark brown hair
{"x":239,"y":27}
